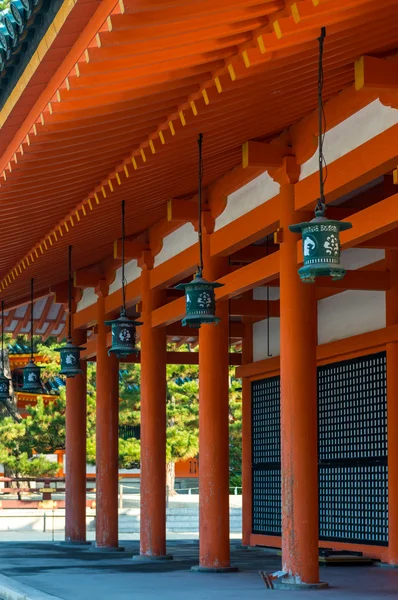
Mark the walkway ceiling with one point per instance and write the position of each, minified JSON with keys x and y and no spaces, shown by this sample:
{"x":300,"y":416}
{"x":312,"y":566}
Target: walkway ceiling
{"x":139,"y":73}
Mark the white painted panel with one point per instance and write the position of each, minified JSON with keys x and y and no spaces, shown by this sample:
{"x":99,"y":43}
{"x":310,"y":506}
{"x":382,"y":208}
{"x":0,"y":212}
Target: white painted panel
{"x":176,"y":242}
{"x":254,"y":193}
{"x":356,"y":258}
{"x":358,"y":129}
{"x":260,"y":347}
{"x":89,"y":297}
{"x":132,"y":272}
{"x":350,"y":313}
{"x":260,"y":293}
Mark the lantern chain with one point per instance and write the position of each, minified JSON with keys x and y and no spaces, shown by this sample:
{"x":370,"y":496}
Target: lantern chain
{"x":70,"y":293}
{"x":31,"y":318}
{"x":200,"y":178}
{"x":320,"y":207}
{"x":124,"y":282}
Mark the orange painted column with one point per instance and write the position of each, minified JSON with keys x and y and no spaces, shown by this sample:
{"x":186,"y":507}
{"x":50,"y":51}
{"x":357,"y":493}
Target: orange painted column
{"x":75,"y":457}
{"x":247,"y":508}
{"x":214,"y":549}
{"x":153,"y":429}
{"x":107,"y":437}
{"x":299,"y":429}
{"x":392,"y":409}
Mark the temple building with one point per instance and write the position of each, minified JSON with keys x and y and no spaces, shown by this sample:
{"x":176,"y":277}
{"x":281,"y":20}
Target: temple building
{"x":158,"y":163}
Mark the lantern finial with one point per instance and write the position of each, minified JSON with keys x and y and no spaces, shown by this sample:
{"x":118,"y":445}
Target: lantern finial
{"x":321,"y":236}
{"x":200,"y":299}
{"x":70,"y":354}
{"x":123,"y":328}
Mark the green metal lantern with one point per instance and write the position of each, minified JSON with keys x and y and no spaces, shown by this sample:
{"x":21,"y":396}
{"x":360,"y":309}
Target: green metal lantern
{"x":321,"y":247}
{"x":70,"y":359}
{"x":321,"y":236}
{"x":123,"y":335}
{"x":70,"y":354}
{"x":4,"y":387}
{"x":31,"y":378}
{"x":200,"y":301}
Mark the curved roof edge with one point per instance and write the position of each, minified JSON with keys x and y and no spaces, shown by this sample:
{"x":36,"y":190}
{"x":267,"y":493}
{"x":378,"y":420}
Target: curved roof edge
{"x":22,"y":26}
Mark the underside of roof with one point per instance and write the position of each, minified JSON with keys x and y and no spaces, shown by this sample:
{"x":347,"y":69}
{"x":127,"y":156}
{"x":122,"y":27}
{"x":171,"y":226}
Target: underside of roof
{"x":123,"y":122}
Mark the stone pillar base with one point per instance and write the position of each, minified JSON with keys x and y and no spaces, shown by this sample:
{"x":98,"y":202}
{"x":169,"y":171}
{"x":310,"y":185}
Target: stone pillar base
{"x":106,"y":549}
{"x":200,"y":569}
{"x":290,"y":583}
{"x":144,"y":558}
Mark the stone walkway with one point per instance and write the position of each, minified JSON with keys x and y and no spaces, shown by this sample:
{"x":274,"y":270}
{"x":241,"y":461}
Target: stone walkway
{"x":74,"y":574}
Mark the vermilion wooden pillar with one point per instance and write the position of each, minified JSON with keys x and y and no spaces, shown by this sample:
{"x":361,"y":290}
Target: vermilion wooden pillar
{"x":247,"y":508}
{"x":392,"y":409}
{"x":107,"y":435}
{"x":75,"y":471}
{"x":153,"y":429}
{"x":299,"y":431}
{"x":214,"y":549}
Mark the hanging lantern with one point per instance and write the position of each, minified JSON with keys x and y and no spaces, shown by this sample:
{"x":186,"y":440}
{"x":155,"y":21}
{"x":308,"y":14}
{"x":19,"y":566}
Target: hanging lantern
{"x":123,"y":328}
{"x":123,"y":335}
{"x":31,"y":378}
{"x":4,"y":381}
{"x":70,"y":354}
{"x":200,"y":300}
{"x":321,"y":248}
{"x":31,"y":373}
{"x":4,"y":387}
{"x":70,"y":359}
{"x":321,"y":236}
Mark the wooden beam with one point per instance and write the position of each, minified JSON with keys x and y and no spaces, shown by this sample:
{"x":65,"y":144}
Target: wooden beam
{"x":325,"y":352}
{"x":132,"y":249}
{"x":238,"y":282}
{"x":260,"y":154}
{"x":254,"y":308}
{"x":249,"y":228}
{"x":175,"y":269}
{"x":383,"y":241}
{"x":358,"y":280}
{"x":360,"y":166}
{"x":376,"y":74}
{"x":371,"y":222}
{"x":252,"y":253}
{"x":177,"y":330}
{"x":86,"y":278}
{"x":182,"y":211}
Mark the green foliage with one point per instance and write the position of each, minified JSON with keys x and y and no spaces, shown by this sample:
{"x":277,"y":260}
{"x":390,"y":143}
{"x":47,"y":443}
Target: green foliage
{"x":16,"y":451}
{"x":44,"y":427}
{"x":4,"y":4}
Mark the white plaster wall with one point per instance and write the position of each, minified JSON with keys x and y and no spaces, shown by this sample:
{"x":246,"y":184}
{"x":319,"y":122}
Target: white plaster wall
{"x":176,"y":242}
{"x":350,"y":313}
{"x":356,"y":258}
{"x":341,"y":316}
{"x":89,"y":297}
{"x":260,"y":338}
{"x":131,"y":271}
{"x":254,"y":193}
{"x":361,"y":127}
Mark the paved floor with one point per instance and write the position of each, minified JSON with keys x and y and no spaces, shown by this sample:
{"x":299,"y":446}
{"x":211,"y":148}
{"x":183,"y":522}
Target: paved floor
{"x":73,"y":574}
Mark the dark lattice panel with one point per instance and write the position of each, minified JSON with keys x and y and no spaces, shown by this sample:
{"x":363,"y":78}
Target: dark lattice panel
{"x":267,"y":501}
{"x":353,"y":472}
{"x":266,"y":456}
{"x":352,"y":409}
{"x":266,"y":421}
{"x":353,"y":504}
